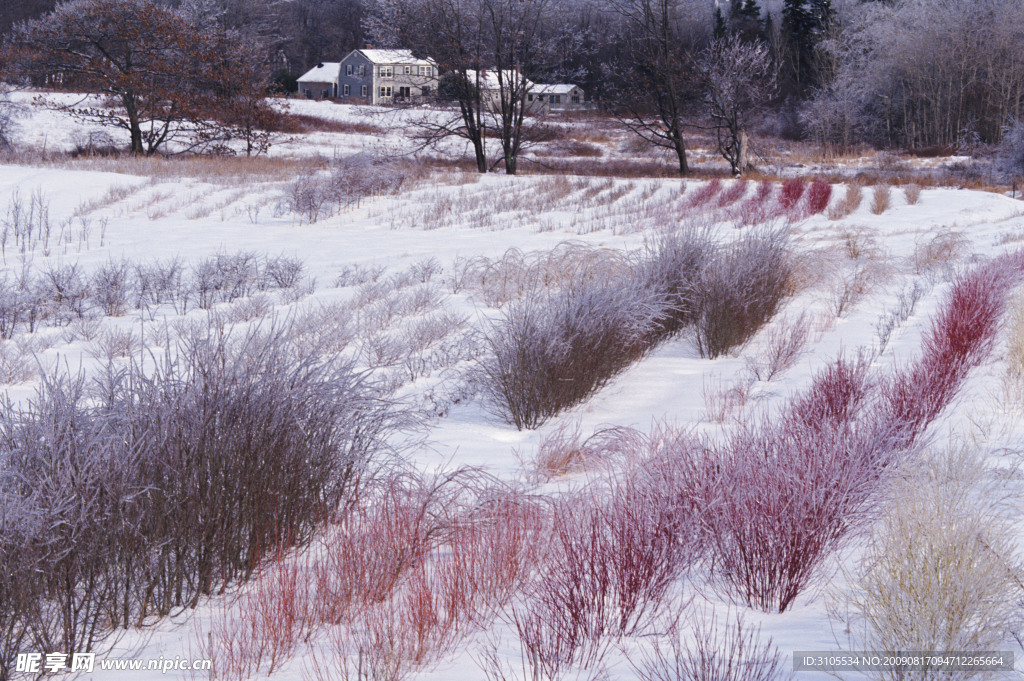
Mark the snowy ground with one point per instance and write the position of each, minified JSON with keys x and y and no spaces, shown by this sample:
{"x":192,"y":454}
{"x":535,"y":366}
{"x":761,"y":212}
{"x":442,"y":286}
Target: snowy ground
{"x":450,"y":217}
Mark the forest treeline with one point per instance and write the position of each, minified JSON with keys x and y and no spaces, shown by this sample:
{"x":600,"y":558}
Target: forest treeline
{"x":906,"y":74}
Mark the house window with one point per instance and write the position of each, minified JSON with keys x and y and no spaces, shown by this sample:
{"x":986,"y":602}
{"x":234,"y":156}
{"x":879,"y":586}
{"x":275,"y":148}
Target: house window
{"x":345,"y":89}
{"x":323,"y":94}
{"x":387,"y":72}
{"x":530,"y":97}
{"x":348,"y":69}
{"x":426,"y":91}
{"x":309,"y":94}
{"x":556,"y":99}
{"x":408,"y":70}
{"x":576,"y":98}
{"x":365,"y":92}
{"x":362,"y":70}
{"x":385,"y":91}
{"x":404,"y":92}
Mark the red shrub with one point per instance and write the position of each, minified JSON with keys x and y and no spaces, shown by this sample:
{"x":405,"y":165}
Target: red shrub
{"x":961,"y":336}
{"x":818,"y":196}
{"x":791,"y":192}
{"x":704,"y":193}
{"x":732,"y":194}
{"x":791,"y":488}
{"x":757,"y":208}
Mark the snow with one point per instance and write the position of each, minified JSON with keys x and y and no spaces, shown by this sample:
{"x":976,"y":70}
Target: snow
{"x":394,"y":57}
{"x":450,"y":216}
{"x":326,"y":72}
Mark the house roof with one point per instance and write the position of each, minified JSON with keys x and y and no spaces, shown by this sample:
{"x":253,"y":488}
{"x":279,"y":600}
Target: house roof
{"x":489,"y":78}
{"x":554,"y":89}
{"x":394,"y":57}
{"x":327,"y":72}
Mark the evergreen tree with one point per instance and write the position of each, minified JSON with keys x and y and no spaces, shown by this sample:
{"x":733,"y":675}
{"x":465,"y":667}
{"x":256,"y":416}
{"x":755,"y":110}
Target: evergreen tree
{"x":719,"y":23}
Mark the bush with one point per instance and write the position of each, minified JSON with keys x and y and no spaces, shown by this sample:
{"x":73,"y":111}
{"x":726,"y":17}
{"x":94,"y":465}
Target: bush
{"x":552,"y":350}
{"x":673,"y":266}
{"x":791,"y":192}
{"x":961,"y":336}
{"x":881,"y":198}
{"x":792,"y":489}
{"x":818,"y":196}
{"x":172,"y":482}
{"x":716,"y":652}
{"x":740,"y":291}
{"x":111,"y":287}
{"x":940,"y":571}
{"x":851,"y":201}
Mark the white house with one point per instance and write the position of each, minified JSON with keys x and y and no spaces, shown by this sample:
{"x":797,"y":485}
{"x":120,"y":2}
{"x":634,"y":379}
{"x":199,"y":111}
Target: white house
{"x":558,"y":97}
{"x":540,"y":98}
{"x":386,"y":76}
{"x":321,"y":81}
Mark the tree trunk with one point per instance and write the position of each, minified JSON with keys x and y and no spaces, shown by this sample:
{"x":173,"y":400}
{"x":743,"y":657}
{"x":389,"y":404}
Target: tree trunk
{"x":742,"y":164}
{"x":134,"y":127}
{"x":680,"y":147}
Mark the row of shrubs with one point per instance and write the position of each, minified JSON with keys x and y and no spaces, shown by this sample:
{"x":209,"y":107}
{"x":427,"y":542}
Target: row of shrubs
{"x":134,"y":497}
{"x":423,"y":562}
{"x":759,"y":511}
{"x":343,"y":184}
{"x":553,"y":348}
{"x":60,"y":294}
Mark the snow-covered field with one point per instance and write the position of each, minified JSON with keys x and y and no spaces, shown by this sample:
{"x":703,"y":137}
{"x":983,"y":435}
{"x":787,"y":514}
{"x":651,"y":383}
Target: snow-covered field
{"x":431,"y":249}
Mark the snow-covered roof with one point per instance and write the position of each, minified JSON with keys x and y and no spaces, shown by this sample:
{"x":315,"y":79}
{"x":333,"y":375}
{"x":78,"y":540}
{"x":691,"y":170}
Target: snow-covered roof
{"x":327,"y":72}
{"x":489,"y":79}
{"x":394,"y":57}
{"x":554,"y":89}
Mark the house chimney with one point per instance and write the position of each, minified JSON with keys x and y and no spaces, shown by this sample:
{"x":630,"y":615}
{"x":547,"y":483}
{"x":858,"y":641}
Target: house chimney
{"x":368,"y":46}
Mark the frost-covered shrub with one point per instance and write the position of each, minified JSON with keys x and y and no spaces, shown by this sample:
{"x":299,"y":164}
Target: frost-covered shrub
{"x":166,"y":484}
{"x":673,"y":267}
{"x":258,"y":447}
{"x":111,"y":287}
{"x":64,"y":292}
{"x":881,"y":198}
{"x":733,"y":651}
{"x":792,"y":486}
{"x":72,"y":498}
{"x":280,"y":272}
{"x":740,"y":290}
{"x":961,"y":336}
{"x":224,"y":278}
{"x":940,"y":572}
{"x":1011,"y":150}
{"x":553,"y":349}
{"x":849,"y":203}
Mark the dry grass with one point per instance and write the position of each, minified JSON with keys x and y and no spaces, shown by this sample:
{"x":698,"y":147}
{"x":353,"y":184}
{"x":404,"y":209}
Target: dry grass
{"x":941,"y":571}
{"x":214,"y":169}
{"x":939,"y":252}
{"x":849,"y":203}
{"x":781,"y":347}
{"x":881,"y":198}
{"x":304,"y":124}
{"x":721,"y":400}
{"x":912,"y":193}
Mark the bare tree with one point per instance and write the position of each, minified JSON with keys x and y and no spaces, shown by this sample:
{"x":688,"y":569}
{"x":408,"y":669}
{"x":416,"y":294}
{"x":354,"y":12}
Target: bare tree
{"x":485,"y":49}
{"x":9,"y":111}
{"x":738,"y":79}
{"x":655,"y":80}
{"x":164,"y":75}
